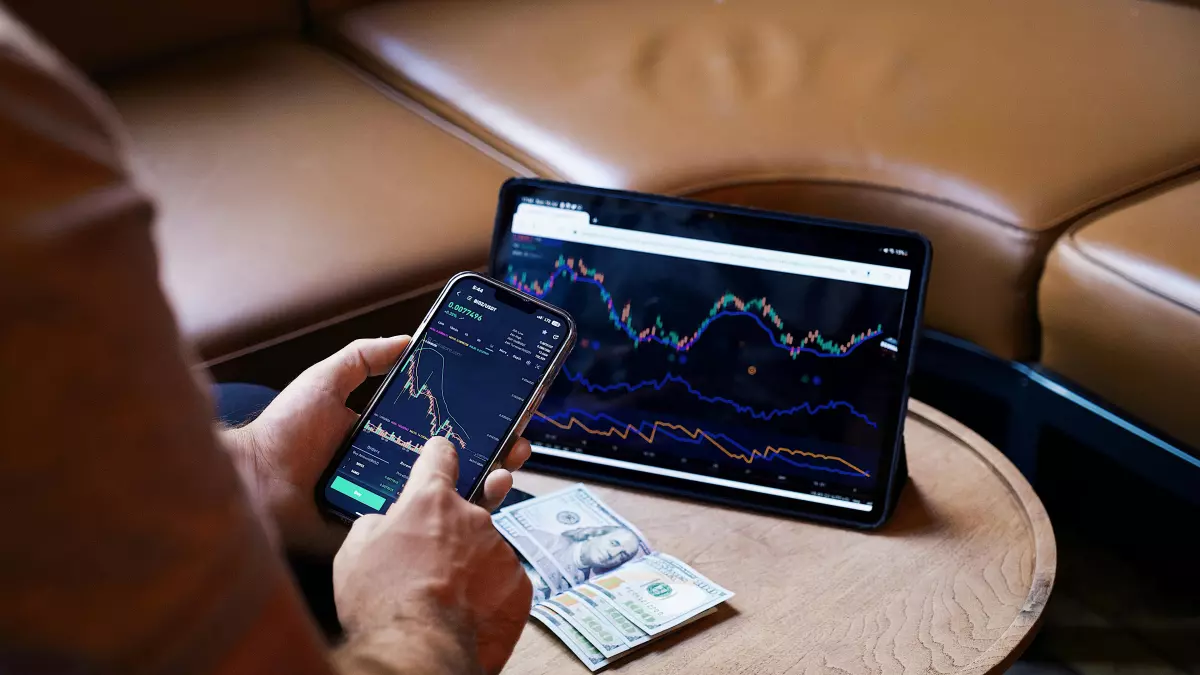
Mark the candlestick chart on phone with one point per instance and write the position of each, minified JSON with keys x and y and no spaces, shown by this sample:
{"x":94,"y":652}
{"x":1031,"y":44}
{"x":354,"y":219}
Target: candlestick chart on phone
{"x":420,"y":389}
{"x":730,"y":371}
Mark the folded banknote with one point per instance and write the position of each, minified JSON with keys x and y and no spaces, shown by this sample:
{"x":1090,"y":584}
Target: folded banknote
{"x":598,"y":584}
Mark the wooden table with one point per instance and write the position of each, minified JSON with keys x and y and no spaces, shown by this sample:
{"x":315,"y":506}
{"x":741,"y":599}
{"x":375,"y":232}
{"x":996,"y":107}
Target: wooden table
{"x":955,"y":583}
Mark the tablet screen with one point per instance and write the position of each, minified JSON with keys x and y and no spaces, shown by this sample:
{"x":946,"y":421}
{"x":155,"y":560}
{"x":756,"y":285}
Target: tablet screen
{"x":734,"y":351}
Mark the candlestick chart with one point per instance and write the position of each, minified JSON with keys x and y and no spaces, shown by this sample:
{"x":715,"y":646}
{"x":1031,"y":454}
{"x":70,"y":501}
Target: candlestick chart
{"x":759,"y":310}
{"x":422,"y":388}
{"x":466,"y":378}
{"x":762,"y":376}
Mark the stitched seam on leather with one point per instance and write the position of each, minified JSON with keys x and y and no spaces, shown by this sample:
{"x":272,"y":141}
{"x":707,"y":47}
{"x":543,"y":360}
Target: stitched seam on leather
{"x":1146,"y":192}
{"x":436,"y":108}
{"x":784,"y":179}
{"x":414,"y":106}
{"x":1069,"y":242}
{"x":1091,"y":209}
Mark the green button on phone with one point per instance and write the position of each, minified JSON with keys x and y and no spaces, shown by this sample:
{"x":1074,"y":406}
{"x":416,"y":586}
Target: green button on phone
{"x":365,"y":496}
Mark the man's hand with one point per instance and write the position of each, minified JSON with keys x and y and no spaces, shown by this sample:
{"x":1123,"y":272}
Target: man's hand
{"x":430,"y":586}
{"x":283,"y":452}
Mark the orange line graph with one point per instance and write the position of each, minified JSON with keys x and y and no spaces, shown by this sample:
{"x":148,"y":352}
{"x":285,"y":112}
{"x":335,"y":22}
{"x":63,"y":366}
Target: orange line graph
{"x":693,"y":433}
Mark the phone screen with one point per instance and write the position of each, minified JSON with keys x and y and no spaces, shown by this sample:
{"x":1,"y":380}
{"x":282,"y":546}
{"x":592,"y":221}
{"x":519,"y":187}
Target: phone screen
{"x":466,"y":377}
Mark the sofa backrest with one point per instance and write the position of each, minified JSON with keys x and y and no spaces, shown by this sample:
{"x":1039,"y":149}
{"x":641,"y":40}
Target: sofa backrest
{"x":101,"y":36}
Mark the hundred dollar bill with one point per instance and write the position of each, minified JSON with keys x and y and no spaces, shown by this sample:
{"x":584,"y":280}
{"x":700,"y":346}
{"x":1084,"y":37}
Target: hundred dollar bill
{"x":583,"y":650}
{"x":541,"y":588}
{"x":581,"y":535}
{"x":594,"y":626}
{"x":547,"y":574}
{"x":632,"y":635}
{"x":659,"y":592}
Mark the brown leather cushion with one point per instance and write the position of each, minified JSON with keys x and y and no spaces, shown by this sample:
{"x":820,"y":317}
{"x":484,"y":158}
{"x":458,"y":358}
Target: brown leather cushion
{"x":985,"y":125}
{"x":103,"y":35}
{"x":289,"y":190}
{"x":1120,"y":307}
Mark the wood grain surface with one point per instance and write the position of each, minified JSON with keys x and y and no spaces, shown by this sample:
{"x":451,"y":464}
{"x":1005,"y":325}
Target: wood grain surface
{"x":954,"y":583}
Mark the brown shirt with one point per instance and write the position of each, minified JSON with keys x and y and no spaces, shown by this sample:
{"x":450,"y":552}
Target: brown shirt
{"x":128,"y":544}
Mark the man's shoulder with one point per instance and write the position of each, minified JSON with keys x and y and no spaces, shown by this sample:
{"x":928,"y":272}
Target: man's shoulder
{"x":52,"y":117}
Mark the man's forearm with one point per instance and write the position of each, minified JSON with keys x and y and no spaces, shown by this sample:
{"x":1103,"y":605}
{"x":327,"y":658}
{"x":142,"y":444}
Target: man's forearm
{"x":238,"y":445}
{"x":407,"y":648}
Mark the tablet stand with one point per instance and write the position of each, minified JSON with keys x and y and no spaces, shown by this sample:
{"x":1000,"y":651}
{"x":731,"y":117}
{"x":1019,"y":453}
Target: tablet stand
{"x":899,"y":478}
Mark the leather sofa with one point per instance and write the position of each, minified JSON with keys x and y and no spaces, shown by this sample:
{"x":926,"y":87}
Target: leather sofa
{"x":1120,"y":305}
{"x":314,"y":160}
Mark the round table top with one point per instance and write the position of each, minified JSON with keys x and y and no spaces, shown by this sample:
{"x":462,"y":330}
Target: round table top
{"x":954,"y":583}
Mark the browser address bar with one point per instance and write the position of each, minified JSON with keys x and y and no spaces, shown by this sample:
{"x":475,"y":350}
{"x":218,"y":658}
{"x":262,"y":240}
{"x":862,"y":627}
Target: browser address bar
{"x":535,"y":220}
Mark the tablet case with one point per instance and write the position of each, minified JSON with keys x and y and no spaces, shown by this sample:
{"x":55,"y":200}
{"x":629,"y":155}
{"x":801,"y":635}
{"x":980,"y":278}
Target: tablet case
{"x":899,"y":473}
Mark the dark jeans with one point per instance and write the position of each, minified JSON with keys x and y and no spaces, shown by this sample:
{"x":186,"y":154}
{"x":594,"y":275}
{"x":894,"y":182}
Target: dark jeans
{"x":238,"y":404}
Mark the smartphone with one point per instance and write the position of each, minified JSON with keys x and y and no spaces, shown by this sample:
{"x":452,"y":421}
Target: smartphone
{"x":474,"y":373}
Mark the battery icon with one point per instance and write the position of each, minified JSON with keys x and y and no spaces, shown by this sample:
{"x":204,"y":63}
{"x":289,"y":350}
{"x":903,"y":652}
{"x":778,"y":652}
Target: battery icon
{"x":555,"y":324}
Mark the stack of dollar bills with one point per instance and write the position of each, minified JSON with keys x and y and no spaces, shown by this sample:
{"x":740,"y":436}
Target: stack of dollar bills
{"x":597,"y":583}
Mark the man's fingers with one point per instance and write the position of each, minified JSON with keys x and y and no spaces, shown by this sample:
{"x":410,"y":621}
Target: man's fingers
{"x":495,"y":489}
{"x":354,"y":363}
{"x":365,"y":524}
{"x":437,"y":465}
{"x":518,"y":455}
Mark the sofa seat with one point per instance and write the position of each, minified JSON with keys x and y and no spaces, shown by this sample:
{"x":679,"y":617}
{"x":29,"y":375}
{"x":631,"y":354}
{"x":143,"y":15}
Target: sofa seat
{"x":987,"y":126}
{"x":1120,"y":307}
{"x":291,"y":190}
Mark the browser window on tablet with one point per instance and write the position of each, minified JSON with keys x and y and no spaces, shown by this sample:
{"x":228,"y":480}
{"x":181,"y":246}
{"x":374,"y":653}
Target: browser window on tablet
{"x":731,"y":354}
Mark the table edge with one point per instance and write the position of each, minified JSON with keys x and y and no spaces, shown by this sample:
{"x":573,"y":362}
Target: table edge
{"x":1009,"y":646}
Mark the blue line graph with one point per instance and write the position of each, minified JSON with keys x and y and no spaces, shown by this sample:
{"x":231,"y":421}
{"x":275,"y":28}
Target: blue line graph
{"x":658,"y":385}
{"x":648,"y":431}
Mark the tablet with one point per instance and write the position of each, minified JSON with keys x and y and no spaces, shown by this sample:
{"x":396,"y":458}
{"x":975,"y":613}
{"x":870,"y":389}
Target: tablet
{"x":741,"y":356}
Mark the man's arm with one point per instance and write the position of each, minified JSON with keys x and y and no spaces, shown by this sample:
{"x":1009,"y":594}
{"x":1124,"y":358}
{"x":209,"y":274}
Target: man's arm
{"x":407,"y":648}
{"x":129,"y":544}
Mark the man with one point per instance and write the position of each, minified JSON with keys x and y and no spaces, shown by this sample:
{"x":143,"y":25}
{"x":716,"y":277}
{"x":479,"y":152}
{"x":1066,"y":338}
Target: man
{"x":585,"y":552}
{"x":136,"y":533}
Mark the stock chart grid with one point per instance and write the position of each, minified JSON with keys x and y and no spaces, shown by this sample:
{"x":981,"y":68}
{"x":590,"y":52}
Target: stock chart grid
{"x":756,"y":376}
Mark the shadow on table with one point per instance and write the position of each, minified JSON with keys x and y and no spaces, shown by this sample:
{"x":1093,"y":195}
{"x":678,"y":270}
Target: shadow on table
{"x":912,"y":514}
{"x":724,"y":613}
